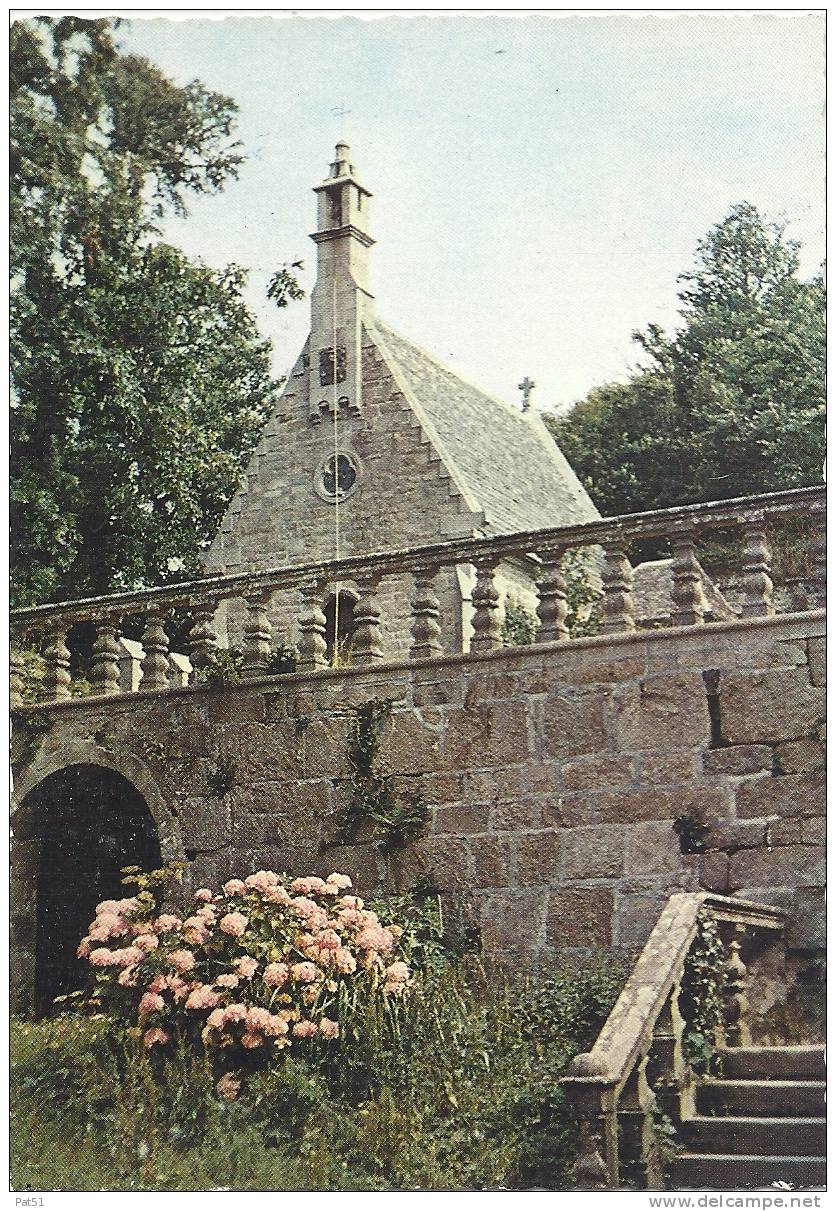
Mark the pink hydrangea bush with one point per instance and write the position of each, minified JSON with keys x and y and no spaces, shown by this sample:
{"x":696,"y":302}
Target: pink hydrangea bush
{"x":266,"y":964}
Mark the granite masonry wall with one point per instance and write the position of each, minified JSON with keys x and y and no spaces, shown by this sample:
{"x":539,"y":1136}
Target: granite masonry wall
{"x":564,"y":781}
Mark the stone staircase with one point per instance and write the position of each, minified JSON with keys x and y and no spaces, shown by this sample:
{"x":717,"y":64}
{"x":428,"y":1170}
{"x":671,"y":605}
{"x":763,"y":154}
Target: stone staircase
{"x":761,"y":1121}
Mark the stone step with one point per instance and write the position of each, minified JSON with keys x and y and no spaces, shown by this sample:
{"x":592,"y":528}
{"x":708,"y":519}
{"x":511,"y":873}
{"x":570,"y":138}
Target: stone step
{"x":762,"y":1098}
{"x":755,"y":1136}
{"x":723,"y":1171}
{"x":789,"y":1063}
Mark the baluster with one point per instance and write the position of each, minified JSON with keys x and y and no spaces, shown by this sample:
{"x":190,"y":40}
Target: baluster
{"x":203,"y":639}
{"x":553,"y":606}
{"x":104,"y":673}
{"x":487,"y":633}
{"x":736,"y":1000}
{"x":590,"y":1170}
{"x":312,"y":647}
{"x":366,"y":639}
{"x":668,"y":1072}
{"x":595,"y":1111}
{"x":617,"y":604}
{"x":757,"y":583}
{"x":426,"y":630}
{"x":641,"y":1160}
{"x":17,"y":677}
{"x":689,"y":604}
{"x":57,"y":676}
{"x":155,"y":642}
{"x":818,"y":560}
{"x":257,"y":635}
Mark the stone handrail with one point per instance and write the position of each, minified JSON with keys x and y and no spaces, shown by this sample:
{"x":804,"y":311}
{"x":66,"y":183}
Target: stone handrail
{"x":544,"y":549}
{"x":640,"y":1044}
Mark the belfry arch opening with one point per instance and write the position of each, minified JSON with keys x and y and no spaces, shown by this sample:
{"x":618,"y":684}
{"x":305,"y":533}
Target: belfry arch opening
{"x":81,"y":825}
{"x":339,"y":623}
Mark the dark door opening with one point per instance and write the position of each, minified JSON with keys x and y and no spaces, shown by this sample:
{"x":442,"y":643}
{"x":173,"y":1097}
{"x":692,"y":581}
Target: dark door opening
{"x":91,"y":822}
{"x":343,"y":615}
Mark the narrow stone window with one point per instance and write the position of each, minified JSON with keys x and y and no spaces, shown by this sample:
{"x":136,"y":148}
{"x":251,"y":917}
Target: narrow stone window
{"x":711,"y":677}
{"x":335,"y":198}
{"x":327,"y":361}
{"x":339,"y":476}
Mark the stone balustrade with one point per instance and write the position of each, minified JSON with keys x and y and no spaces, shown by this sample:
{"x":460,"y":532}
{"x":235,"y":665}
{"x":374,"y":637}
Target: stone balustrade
{"x":637,"y":1067}
{"x":190,"y":608}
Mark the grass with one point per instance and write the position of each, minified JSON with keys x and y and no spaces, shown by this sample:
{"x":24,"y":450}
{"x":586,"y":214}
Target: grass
{"x":462,"y":1093}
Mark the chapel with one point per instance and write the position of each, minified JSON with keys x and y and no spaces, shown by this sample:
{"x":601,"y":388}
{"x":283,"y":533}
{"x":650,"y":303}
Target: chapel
{"x":375,"y":445}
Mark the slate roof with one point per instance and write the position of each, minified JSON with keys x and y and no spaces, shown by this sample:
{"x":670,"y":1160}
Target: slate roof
{"x":506,"y":460}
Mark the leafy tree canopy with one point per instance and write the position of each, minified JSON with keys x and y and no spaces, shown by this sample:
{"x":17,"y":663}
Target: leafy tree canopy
{"x":733,"y":403}
{"x":139,"y":381}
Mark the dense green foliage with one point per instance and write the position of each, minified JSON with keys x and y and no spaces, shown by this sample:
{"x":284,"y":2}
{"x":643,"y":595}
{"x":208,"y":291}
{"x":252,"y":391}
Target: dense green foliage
{"x":140,"y":383}
{"x":464,"y":1094}
{"x":733,"y":403}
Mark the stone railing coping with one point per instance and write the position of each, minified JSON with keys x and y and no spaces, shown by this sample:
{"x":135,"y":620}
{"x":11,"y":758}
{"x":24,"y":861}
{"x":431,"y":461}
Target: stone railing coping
{"x":627,"y":1032}
{"x":619,"y":529}
{"x":457,"y":660}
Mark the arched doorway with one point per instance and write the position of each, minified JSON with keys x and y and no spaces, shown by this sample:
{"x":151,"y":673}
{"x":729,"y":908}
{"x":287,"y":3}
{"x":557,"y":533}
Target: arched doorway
{"x":87,"y":822}
{"x":339,"y":620}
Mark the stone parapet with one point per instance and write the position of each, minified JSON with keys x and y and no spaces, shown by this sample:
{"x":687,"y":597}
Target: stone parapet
{"x":262,"y":609}
{"x":570,"y":788}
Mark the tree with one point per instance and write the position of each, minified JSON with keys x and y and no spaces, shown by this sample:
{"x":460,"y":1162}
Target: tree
{"x":140,"y":384}
{"x":733,"y":403}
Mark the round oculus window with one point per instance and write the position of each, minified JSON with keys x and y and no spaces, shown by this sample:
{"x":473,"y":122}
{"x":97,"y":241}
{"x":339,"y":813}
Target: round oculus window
{"x":338,"y":476}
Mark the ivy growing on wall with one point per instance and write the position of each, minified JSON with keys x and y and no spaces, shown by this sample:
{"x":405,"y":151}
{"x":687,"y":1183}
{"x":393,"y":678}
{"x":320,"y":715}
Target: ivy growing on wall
{"x":701,"y":996}
{"x":395,"y":819}
{"x":220,"y":781}
{"x":31,"y":668}
{"x":692,"y":830}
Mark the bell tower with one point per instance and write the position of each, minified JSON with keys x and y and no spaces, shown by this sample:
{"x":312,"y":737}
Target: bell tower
{"x":341,"y":297}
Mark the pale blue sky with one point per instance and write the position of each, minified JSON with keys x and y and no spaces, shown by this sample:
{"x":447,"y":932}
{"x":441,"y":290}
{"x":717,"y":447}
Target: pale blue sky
{"x":532,"y":206}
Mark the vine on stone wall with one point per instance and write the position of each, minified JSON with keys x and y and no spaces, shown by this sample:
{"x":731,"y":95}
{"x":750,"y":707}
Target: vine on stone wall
{"x":395,"y":819}
{"x":701,"y":996}
{"x":665,"y":1146}
{"x":33,"y":723}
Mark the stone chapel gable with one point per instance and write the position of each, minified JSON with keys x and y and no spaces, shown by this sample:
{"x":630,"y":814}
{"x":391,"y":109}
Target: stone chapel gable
{"x":428,"y":456}
{"x":376,"y":446}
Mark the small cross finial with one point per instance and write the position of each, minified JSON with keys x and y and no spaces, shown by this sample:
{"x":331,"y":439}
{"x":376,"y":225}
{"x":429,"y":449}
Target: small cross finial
{"x":526,"y":386}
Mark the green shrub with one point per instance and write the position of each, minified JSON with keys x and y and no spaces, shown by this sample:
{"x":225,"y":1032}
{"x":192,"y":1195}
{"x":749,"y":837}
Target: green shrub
{"x":227,"y":667}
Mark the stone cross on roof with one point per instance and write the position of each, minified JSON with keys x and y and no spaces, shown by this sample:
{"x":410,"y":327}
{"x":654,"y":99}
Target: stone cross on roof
{"x":526,"y":386}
